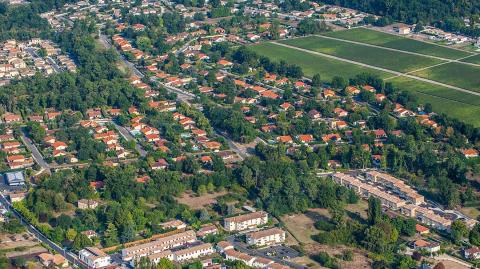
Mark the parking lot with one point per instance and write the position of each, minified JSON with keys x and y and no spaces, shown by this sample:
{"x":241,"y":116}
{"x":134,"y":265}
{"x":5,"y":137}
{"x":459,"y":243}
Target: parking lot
{"x":280,"y":252}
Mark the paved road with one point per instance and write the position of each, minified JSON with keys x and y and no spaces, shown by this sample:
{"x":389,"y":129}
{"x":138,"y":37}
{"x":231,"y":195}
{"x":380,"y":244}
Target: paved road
{"x":182,"y":96}
{"x":381,"y":69}
{"x":37,"y":156}
{"x":34,"y":54}
{"x":401,"y":51}
{"x":129,"y":137}
{"x":72,"y":258}
{"x":130,"y":65}
{"x":242,"y":247}
{"x":184,"y":47}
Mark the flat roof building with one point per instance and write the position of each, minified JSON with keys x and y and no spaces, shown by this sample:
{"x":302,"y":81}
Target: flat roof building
{"x":15,"y":178}
{"x":246,"y":221}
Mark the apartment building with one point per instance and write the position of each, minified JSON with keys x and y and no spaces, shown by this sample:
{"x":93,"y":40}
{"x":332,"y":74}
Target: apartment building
{"x":266,"y":237}
{"x":366,"y":190}
{"x":233,"y":255}
{"x":426,"y":216}
{"x":193,"y":252}
{"x":180,"y":256}
{"x":246,"y":221}
{"x":396,"y":185}
{"x":94,"y":257}
{"x":158,"y":245}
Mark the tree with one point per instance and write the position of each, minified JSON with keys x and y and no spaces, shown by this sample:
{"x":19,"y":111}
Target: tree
{"x":311,"y":26}
{"x":374,"y":210}
{"x":128,"y":233}
{"x":418,"y":28}
{"x":164,"y":263}
{"x":338,"y":82}
{"x":81,"y":241}
{"x":111,"y":235}
{"x":71,"y":234}
{"x":202,"y":190}
{"x":458,"y":230}
{"x":439,"y":265}
{"x":204,"y":216}
{"x":316,"y":80}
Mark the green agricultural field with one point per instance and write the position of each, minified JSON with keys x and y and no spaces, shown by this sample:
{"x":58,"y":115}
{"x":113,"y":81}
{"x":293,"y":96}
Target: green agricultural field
{"x":474,"y":59}
{"x":463,"y":106}
{"x":457,"y":74}
{"x":392,"y":60}
{"x":312,"y":64}
{"x":397,"y":42}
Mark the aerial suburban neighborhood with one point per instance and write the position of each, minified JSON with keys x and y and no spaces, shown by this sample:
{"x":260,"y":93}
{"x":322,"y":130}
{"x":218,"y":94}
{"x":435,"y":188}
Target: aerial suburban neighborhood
{"x":239,"y":134}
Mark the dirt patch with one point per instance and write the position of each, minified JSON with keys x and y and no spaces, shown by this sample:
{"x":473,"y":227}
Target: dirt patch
{"x":360,"y":260}
{"x":307,"y":262}
{"x":302,"y":227}
{"x":199,"y":202}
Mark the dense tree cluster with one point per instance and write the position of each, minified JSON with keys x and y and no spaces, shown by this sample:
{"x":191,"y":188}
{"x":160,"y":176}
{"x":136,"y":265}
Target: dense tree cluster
{"x":245,"y":56}
{"x":97,"y":82}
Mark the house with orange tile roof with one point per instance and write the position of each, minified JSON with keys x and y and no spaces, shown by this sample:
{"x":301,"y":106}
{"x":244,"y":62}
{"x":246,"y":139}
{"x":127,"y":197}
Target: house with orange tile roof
{"x":470,"y":153}
{"x":351,"y":90}
{"x":285,"y":139}
{"x":224,"y":63}
{"x":331,"y":138}
{"x":269,"y":94}
{"x":305,"y":138}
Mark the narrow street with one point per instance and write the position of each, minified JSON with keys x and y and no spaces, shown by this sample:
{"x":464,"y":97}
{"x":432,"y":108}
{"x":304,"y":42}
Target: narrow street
{"x":129,"y":137}
{"x":37,"y":156}
{"x":182,"y":96}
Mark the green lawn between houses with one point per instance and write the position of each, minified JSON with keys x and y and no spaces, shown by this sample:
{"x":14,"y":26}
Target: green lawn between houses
{"x":397,"y":42}
{"x":463,"y":106}
{"x":392,"y":60}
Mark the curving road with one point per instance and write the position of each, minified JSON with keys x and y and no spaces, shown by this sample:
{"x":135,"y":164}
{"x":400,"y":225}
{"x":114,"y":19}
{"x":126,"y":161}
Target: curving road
{"x":381,"y":69}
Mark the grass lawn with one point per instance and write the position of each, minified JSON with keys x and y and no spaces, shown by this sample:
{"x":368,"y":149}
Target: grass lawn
{"x":457,"y":74}
{"x":397,"y":61}
{"x":463,"y":106}
{"x":312,"y":64}
{"x":397,"y":42}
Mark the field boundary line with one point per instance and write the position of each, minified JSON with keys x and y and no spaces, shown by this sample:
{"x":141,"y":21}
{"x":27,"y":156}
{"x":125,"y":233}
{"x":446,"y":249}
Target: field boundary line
{"x":446,"y":98}
{"x":400,"y":51}
{"x":380,"y":68}
{"x":419,"y":40}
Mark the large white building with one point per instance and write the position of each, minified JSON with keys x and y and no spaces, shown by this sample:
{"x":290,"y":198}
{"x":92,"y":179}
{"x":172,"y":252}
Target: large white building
{"x":94,"y":257}
{"x":159,"y":245}
{"x":396,"y":185}
{"x":193,"y":252}
{"x":266,"y":237}
{"x":246,"y":221}
{"x":406,"y":200}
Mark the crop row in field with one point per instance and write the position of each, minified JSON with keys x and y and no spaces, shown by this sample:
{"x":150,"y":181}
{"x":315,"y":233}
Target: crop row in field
{"x":459,"y":105}
{"x":397,"y":42}
{"x":312,"y":64}
{"x":384,"y":58}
